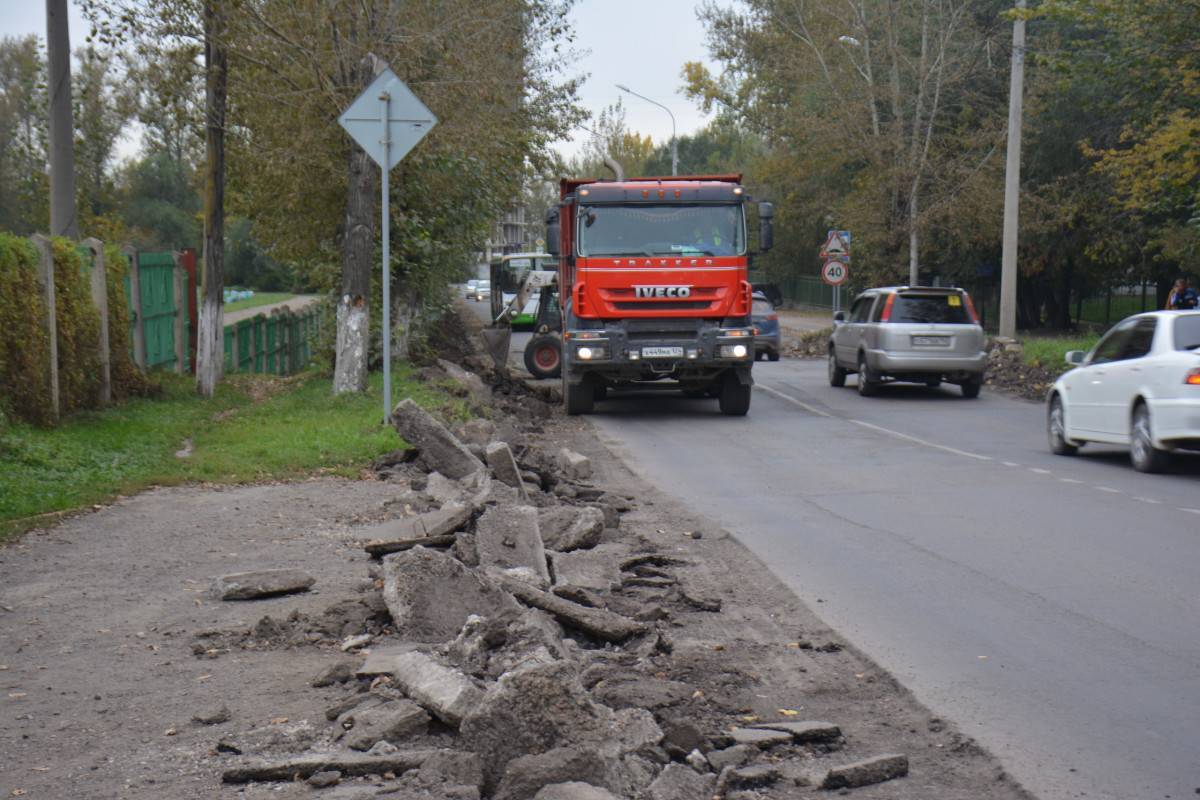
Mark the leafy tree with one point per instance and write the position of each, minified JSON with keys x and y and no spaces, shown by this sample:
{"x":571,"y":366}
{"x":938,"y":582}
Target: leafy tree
{"x":881,"y":113}
{"x":104,"y":104}
{"x":24,"y":201}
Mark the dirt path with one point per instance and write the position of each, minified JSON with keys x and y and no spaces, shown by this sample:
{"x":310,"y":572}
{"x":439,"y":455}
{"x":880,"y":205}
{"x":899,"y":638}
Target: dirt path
{"x":296,"y":304}
{"x":110,"y":646}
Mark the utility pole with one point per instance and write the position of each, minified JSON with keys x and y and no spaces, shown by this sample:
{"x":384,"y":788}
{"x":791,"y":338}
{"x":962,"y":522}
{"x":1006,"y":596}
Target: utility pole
{"x":1012,"y":182}
{"x":63,"y":220}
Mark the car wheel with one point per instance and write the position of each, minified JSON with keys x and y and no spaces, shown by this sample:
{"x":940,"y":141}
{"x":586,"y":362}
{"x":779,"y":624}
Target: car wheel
{"x":1142,"y":452}
{"x":772,"y":355}
{"x":543,"y":356}
{"x":578,"y":398}
{"x":1056,"y":430}
{"x":868,"y":384}
{"x":600,"y":392}
{"x":734,"y":400}
{"x":837,"y":375}
{"x":971,"y":388}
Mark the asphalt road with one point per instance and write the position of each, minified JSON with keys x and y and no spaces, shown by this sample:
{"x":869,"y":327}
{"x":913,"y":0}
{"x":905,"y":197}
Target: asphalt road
{"x":1050,"y":606}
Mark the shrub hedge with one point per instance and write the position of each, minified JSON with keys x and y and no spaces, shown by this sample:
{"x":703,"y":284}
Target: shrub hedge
{"x":24,"y":345}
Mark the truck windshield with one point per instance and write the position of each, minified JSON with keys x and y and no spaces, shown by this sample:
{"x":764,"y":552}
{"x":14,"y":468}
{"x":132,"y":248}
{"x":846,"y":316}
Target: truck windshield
{"x":647,"y":230}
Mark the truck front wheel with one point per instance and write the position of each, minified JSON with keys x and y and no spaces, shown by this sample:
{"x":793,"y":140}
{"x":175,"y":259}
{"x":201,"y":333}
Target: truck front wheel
{"x":579,"y":398}
{"x":734,"y":399}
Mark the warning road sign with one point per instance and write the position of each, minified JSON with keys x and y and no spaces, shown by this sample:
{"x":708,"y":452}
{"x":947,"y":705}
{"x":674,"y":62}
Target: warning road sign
{"x":837,"y":243}
{"x":835,"y":273}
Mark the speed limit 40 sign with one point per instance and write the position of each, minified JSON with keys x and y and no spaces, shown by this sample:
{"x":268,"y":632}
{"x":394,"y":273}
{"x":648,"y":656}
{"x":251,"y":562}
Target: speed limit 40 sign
{"x":835,"y":273}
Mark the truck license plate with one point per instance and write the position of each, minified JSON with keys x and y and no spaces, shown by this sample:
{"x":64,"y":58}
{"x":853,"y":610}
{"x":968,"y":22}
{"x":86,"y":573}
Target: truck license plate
{"x":931,"y":341}
{"x":662,"y":352}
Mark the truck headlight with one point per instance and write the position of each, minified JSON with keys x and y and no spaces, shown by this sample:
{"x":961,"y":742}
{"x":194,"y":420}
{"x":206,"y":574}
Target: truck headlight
{"x":591,"y":353}
{"x":733,"y":351}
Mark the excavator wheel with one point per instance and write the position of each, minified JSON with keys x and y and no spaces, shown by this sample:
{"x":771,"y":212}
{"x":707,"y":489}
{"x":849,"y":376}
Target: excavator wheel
{"x":543,"y":355}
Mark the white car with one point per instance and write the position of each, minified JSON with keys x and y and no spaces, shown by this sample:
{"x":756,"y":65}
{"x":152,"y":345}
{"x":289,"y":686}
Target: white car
{"x":1139,"y":386}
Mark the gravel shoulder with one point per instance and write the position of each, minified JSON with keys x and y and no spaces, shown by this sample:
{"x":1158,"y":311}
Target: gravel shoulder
{"x":112,"y":650}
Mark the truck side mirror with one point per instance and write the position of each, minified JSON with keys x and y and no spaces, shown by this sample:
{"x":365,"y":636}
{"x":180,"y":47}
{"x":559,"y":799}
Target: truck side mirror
{"x":766,"y":228}
{"x":552,"y":231}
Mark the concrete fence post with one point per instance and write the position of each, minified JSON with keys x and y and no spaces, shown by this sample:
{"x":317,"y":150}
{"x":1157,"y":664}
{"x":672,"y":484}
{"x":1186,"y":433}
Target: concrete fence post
{"x":135,"y":306}
{"x":100,"y":300}
{"x":181,"y":311}
{"x":46,"y":277}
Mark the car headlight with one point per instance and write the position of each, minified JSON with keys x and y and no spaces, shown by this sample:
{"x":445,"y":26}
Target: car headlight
{"x":733,"y":351}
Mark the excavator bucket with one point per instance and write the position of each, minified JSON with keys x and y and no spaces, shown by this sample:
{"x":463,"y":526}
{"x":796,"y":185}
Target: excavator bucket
{"x":497,"y":340}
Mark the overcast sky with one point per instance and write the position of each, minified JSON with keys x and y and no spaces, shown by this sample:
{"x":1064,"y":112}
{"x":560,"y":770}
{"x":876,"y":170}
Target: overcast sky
{"x":640,"y":43}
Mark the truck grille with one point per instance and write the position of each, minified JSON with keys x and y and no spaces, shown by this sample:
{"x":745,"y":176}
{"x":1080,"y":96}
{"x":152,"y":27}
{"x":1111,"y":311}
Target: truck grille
{"x":660,"y":305}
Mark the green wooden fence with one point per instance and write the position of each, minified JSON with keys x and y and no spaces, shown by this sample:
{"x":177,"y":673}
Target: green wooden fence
{"x":280,"y":343}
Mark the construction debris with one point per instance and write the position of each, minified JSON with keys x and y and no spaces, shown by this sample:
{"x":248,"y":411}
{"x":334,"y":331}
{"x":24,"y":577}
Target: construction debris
{"x":440,"y":450}
{"x":866,"y":772}
{"x":431,"y":594}
{"x":598,"y":622}
{"x":260,"y":583}
{"x":507,"y":538}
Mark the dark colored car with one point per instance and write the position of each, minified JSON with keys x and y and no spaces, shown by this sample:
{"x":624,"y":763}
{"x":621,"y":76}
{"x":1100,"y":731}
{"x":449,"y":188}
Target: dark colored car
{"x":766,"y":328}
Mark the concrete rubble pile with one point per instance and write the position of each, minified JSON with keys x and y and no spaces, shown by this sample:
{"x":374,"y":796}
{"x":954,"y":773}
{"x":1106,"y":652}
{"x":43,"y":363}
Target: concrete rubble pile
{"x":525,"y":651}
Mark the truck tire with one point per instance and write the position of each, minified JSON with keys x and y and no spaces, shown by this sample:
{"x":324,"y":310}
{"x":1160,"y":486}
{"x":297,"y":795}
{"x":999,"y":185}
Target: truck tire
{"x":543,"y":356}
{"x":578,"y":398}
{"x":734,"y":400}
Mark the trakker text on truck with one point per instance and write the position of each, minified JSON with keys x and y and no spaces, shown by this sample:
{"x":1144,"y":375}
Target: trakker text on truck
{"x":653,"y":286}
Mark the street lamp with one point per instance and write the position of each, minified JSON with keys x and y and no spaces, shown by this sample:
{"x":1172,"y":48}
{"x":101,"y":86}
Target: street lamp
{"x":674,"y":152}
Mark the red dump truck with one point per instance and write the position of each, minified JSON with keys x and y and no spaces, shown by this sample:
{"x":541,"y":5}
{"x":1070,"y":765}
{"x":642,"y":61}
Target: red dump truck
{"x":653,"y":286}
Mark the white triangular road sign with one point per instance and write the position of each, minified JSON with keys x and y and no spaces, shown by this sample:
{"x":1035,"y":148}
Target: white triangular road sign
{"x":834,"y":246}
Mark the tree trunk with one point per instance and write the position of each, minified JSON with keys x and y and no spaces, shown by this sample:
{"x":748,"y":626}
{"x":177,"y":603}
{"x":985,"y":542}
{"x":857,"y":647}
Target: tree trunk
{"x":914,"y":243}
{"x":358,"y":250}
{"x":210,"y":351}
{"x":63,"y":218}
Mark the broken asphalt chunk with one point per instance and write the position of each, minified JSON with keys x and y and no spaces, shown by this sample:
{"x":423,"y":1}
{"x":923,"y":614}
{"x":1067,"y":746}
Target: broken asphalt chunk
{"x":507,"y":537}
{"x":596,"y":622}
{"x":866,"y":772}
{"x":440,"y":450}
{"x":445,"y":692}
{"x":429,"y":529}
{"x":430,"y":594}
{"x":804,"y":731}
{"x":260,"y":583}
{"x":305,"y":766}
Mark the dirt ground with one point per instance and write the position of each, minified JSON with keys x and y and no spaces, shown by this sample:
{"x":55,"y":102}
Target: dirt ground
{"x":111,"y":647}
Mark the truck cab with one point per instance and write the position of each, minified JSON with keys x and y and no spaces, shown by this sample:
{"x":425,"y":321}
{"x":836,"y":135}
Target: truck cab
{"x":653,"y":286}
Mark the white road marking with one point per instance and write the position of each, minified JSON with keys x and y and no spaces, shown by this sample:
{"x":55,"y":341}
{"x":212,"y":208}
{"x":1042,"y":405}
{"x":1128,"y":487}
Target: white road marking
{"x":1070,"y":480}
{"x":1191,"y":510}
{"x":1010,"y":463}
{"x":919,"y":441}
{"x":1149,"y":500}
{"x":1039,"y":471}
{"x":793,"y":401}
{"x":1108,"y":489}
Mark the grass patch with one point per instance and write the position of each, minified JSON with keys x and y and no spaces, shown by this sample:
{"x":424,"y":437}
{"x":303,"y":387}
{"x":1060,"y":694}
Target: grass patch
{"x":256,"y":428}
{"x":1049,"y":352}
{"x":259,"y":299}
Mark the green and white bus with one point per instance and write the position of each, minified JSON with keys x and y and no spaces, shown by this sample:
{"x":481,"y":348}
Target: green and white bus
{"x":508,"y":272}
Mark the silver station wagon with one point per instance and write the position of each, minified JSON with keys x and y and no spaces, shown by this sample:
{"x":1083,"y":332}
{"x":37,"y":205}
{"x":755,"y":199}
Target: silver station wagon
{"x":918,"y":334}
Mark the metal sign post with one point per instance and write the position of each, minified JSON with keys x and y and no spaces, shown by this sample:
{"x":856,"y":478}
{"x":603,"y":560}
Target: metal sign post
{"x":387,"y":120}
{"x":386,"y":227}
{"x":836,"y":252}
